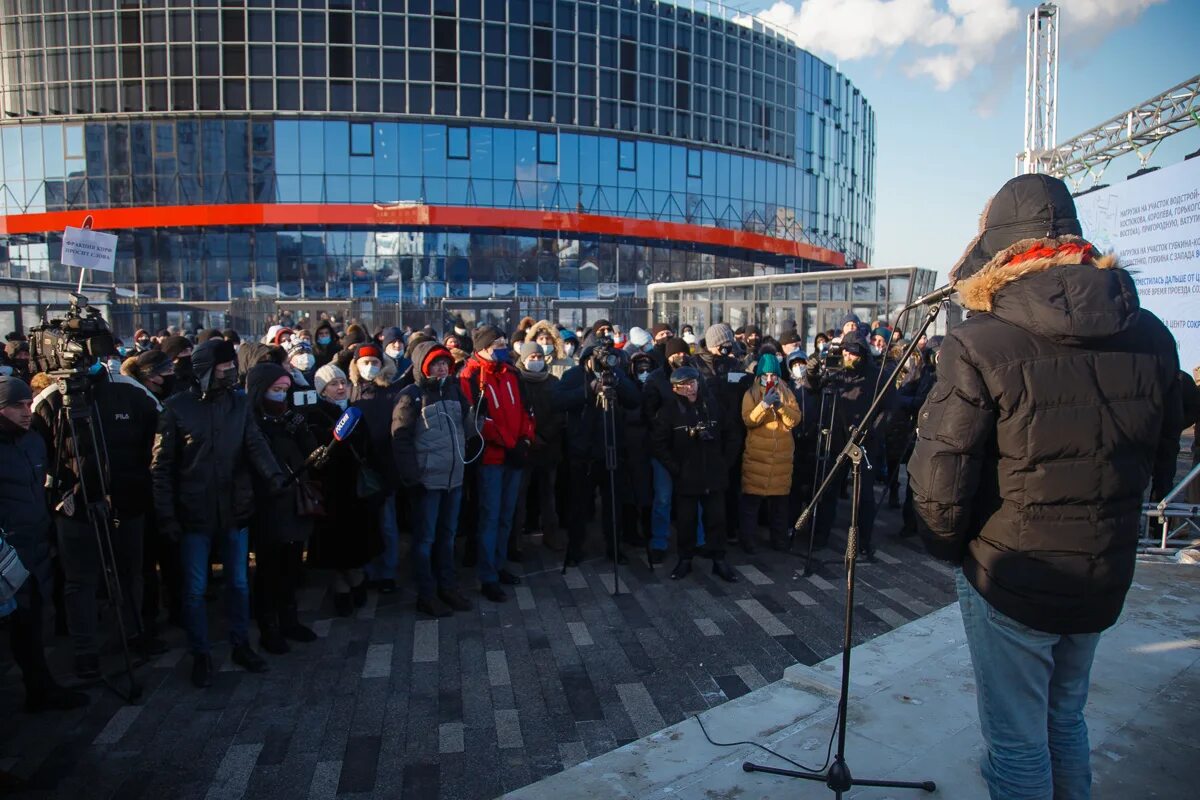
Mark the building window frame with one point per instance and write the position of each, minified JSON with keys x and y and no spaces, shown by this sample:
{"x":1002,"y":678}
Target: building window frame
{"x":359,"y":130}
{"x":458,"y":142}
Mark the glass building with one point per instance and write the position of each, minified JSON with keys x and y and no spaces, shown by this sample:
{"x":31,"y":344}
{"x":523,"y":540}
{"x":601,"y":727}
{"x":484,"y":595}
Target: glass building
{"x":421,"y":157}
{"x":814,"y":301}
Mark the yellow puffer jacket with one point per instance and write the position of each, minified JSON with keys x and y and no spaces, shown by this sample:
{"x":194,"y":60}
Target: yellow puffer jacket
{"x":767,"y":460}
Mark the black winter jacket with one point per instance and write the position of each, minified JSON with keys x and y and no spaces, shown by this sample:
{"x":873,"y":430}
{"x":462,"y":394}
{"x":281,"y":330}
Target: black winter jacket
{"x":698,"y":464}
{"x":1054,"y":408}
{"x":287,"y":434}
{"x":127,"y":417}
{"x":575,"y":395}
{"x":538,"y":388}
{"x":203,"y":455}
{"x":24,"y":515}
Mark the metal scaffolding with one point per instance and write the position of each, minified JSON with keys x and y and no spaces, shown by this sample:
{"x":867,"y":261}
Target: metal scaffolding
{"x":1041,"y":89}
{"x":1138,"y":130}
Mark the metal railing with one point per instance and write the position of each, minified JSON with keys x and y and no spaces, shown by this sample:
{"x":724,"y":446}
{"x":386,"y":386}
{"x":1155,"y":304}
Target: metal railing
{"x":1184,"y":516}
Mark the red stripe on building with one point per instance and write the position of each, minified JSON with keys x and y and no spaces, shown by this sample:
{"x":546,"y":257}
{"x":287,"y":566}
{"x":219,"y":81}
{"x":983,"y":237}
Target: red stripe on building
{"x":415,"y":216}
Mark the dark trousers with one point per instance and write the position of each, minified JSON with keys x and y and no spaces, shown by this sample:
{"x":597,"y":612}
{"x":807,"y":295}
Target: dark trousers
{"x":586,"y":478}
{"x":277,"y":567}
{"x":777,"y":515}
{"x":827,"y":511}
{"x":690,"y":509}
{"x":543,"y":480}
{"x":162,"y":578}
{"x":80,"y":556}
{"x":26,"y":635}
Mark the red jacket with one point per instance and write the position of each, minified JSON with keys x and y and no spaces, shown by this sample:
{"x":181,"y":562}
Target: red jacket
{"x":503,"y":417}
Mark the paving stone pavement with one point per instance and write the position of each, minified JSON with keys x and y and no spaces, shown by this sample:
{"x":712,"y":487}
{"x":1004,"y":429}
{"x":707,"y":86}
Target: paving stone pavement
{"x":389,"y":705}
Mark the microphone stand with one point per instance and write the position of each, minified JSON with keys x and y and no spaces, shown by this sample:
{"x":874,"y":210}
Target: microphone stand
{"x":838,"y":777}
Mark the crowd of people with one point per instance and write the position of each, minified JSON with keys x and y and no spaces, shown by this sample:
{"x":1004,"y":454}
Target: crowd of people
{"x":478,"y":435}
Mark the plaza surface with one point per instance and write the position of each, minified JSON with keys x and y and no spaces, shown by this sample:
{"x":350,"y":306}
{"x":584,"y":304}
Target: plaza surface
{"x":391,"y":705}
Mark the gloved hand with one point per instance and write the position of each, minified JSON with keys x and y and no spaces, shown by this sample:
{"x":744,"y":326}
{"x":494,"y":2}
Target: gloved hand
{"x":320,"y":456}
{"x":772,"y":397}
{"x":171,"y":530}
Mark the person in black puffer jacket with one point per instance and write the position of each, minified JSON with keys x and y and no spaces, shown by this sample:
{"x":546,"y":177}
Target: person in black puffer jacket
{"x":545,"y":453}
{"x":277,"y":531}
{"x":206,"y":449}
{"x":125,"y":418}
{"x":1056,"y":406}
{"x":692,"y":440}
{"x":25,"y":520}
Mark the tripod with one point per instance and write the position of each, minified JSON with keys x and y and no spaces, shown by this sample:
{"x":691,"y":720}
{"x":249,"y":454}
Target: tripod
{"x":77,"y":419}
{"x":606,"y":399}
{"x":838,"y":777}
{"x":826,"y":419}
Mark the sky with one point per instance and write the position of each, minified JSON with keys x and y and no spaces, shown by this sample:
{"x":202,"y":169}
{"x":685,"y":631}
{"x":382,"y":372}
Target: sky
{"x":946,"y":80}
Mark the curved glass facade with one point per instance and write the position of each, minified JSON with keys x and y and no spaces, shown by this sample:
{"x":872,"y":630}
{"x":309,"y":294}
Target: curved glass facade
{"x":631,"y":109}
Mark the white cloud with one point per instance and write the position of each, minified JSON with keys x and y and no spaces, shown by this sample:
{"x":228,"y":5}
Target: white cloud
{"x":943,"y":40}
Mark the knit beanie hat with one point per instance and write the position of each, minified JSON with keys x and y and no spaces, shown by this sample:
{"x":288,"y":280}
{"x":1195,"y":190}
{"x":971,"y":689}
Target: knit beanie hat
{"x":392,"y":334}
{"x":657,"y":329}
{"x":788,"y":337}
{"x":639,"y":337}
{"x":326,"y":374}
{"x":676,"y":345}
{"x":485,"y":336}
{"x":718,"y":335}
{"x":13,"y":391}
{"x":767,"y":362}
{"x":529,"y":348}
{"x":174,"y":345}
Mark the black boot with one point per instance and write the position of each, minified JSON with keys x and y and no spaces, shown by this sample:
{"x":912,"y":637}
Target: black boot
{"x":343,"y":604}
{"x":723,"y":571}
{"x":747,"y":542}
{"x":893,"y":496}
{"x":87,"y":667}
{"x":358,"y":594}
{"x":249,"y":660}
{"x":455,"y":599}
{"x":682,"y":569}
{"x":291,"y":627}
{"x":202,"y":670}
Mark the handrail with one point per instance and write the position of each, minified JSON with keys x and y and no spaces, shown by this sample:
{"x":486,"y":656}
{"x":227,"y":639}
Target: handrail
{"x":1162,"y":504}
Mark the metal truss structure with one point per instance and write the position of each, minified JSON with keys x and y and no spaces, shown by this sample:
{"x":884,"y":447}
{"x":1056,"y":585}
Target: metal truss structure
{"x":1041,"y":89}
{"x":1138,"y":130}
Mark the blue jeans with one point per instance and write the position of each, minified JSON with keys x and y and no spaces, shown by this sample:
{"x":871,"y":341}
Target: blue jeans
{"x":660,"y":513}
{"x":433,"y":546}
{"x":499,"y":486}
{"x":386,"y":564}
{"x":1031,"y":688}
{"x":195,"y":549}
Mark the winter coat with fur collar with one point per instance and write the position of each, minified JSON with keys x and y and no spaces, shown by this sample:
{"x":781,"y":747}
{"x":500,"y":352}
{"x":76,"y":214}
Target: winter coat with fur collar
{"x":1056,"y":405}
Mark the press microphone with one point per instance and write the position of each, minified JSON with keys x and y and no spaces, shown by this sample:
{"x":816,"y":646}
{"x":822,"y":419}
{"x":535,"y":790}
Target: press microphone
{"x":342,"y":430}
{"x":934,"y":297}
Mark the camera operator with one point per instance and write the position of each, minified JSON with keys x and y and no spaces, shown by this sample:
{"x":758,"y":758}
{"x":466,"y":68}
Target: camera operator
{"x":578,"y":394}
{"x":851,"y":377}
{"x":206,"y":446}
{"x":723,"y":376}
{"x":126,"y":418}
{"x":25,"y":520}
{"x":693,"y":441}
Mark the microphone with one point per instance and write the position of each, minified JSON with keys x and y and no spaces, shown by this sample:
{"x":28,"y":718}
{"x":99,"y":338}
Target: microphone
{"x":934,"y":297}
{"x":342,"y":430}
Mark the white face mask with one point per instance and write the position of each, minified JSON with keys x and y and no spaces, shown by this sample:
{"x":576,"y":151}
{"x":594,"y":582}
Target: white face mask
{"x":799,"y":371}
{"x":876,"y":351}
{"x":643,"y":376}
{"x":304,"y":361}
{"x":368,"y":371}
{"x":547,"y":349}
{"x":535,"y":365}
{"x":569,"y":349}
{"x":394,"y":352}
{"x":460,"y":331}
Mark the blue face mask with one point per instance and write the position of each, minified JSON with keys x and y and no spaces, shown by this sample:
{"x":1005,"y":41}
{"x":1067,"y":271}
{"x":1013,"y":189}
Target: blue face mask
{"x":276,"y":397}
{"x":324,"y":339}
{"x":500,"y":354}
{"x":96,"y":369}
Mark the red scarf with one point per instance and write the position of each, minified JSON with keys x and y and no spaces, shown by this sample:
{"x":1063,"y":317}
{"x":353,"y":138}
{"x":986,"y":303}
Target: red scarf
{"x":1046,"y":251}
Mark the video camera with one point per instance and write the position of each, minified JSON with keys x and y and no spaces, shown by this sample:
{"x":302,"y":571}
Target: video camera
{"x":73,"y":343}
{"x":605,"y":358}
{"x":704,"y":430}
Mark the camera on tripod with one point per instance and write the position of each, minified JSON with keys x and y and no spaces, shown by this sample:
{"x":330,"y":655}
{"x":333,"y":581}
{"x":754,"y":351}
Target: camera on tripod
{"x":705,"y":430}
{"x":605,"y":359}
{"x":73,"y":343}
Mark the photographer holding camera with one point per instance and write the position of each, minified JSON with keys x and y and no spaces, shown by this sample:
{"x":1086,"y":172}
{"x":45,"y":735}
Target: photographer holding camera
{"x":126,"y":418}
{"x":599,"y":378}
{"x":849,"y":375}
{"x":693,"y":442}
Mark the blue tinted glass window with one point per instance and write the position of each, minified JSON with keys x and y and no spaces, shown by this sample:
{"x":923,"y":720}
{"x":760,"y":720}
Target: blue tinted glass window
{"x":360,"y":139}
{"x":694,"y":169}
{"x":547,"y":148}
{"x":458,"y":143}
{"x":627,"y":155}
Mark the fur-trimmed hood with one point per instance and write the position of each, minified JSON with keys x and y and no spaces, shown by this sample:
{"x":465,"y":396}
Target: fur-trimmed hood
{"x":1059,"y":290}
{"x":545,"y":326}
